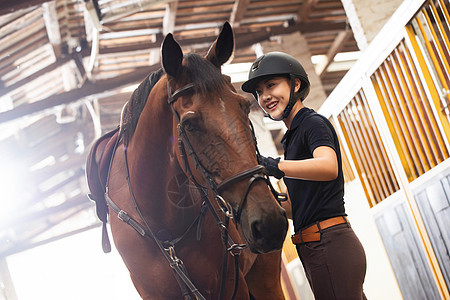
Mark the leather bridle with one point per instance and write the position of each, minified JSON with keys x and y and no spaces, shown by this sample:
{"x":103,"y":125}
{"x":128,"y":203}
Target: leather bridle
{"x":163,"y":239}
{"x":254,"y":174}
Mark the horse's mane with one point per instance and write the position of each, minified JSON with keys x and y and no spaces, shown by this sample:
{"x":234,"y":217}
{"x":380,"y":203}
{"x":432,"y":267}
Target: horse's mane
{"x":137,"y":102}
{"x":197,"y":70}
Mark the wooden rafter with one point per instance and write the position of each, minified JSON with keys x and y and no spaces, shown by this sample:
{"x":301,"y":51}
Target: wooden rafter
{"x":8,"y":6}
{"x":238,"y":12}
{"x":336,"y":47}
{"x":88,"y":89}
{"x":59,"y":63}
{"x":305,"y":10}
{"x":52,"y":26}
{"x":170,"y":17}
{"x":242,"y":41}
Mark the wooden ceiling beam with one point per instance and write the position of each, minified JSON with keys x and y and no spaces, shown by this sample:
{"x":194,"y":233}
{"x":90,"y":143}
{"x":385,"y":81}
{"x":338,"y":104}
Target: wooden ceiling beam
{"x":130,"y":8}
{"x":145,"y":45}
{"x":336,"y":47}
{"x":35,"y":75}
{"x":26,"y":34}
{"x":7,"y":62}
{"x":238,"y":12}
{"x":88,"y":89}
{"x":242,"y":41}
{"x":170,"y":17}
{"x":8,"y":6}
{"x":52,"y":26}
{"x":61,"y":62}
{"x":305,"y":10}
{"x":316,"y":27}
{"x":311,"y":27}
{"x":248,"y":39}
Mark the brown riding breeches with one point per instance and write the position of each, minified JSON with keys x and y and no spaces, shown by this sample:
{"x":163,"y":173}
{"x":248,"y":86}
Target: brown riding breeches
{"x":336,"y":265}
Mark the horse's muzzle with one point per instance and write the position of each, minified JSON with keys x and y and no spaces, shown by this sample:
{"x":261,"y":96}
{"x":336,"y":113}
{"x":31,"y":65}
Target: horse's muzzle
{"x":268,"y":234}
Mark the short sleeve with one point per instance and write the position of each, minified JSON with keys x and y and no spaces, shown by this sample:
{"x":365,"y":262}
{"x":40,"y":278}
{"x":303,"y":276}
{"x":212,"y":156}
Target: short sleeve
{"x":318,"y":133}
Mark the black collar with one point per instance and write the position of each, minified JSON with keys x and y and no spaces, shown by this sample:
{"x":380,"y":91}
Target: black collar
{"x":295,"y":123}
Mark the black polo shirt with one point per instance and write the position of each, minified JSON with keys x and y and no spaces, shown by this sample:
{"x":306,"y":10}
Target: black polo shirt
{"x":312,"y":201}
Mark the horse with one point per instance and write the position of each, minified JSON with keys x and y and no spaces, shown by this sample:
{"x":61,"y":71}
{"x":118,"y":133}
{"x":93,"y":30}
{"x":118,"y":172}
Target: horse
{"x":180,"y":166}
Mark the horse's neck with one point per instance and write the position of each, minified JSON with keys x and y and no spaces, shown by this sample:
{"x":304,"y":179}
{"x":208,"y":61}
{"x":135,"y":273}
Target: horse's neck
{"x":147,"y":150}
{"x":162,"y":188}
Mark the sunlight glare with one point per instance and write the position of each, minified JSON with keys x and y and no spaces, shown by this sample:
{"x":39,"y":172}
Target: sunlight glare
{"x":72,"y":268}
{"x":10,"y":186}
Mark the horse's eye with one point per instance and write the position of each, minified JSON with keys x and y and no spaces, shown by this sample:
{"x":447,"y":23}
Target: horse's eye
{"x":191,"y":121}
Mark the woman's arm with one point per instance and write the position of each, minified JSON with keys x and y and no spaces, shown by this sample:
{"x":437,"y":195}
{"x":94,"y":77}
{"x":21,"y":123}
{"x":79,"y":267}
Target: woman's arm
{"x":322,"y":167}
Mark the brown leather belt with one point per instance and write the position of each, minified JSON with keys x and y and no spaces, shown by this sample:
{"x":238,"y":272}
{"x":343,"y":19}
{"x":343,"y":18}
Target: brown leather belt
{"x":312,"y":233}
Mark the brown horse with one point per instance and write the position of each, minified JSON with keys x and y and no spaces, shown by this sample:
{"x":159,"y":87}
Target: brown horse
{"x":185,"y":163}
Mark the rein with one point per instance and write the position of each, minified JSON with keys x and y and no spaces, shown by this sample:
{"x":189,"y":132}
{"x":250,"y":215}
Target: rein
{"x":163,"y":239}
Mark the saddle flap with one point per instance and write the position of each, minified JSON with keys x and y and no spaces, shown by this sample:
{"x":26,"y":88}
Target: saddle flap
{"x":97,"y":166}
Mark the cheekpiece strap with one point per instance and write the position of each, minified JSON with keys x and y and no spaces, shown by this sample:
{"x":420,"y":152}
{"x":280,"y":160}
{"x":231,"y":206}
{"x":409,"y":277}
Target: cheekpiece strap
{"x":178,"y":93}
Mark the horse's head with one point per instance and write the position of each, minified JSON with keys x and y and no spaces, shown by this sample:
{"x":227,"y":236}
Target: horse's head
{"x":214,"y":119}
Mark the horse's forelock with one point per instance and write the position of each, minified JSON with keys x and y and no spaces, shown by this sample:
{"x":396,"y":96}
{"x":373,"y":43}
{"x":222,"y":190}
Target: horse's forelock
{"x":203,"y":74}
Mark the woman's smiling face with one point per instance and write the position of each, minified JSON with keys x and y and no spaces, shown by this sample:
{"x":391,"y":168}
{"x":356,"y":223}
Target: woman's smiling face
{"x":273,"y":95}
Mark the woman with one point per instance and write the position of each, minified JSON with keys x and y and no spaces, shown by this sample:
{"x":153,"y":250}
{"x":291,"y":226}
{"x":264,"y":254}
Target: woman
{"x":331,"y":253}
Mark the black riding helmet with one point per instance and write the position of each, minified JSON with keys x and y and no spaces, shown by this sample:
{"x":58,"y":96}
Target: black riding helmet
{"x":274,"y":64}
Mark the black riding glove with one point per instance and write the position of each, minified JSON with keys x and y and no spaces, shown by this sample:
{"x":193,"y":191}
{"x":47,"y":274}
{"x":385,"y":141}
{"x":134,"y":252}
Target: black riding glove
{"x":271,"y":166}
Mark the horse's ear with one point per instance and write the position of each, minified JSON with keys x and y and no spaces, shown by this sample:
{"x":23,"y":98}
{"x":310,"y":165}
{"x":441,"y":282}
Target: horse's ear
{"x":223,"y":46}
{"x":172,"y":55}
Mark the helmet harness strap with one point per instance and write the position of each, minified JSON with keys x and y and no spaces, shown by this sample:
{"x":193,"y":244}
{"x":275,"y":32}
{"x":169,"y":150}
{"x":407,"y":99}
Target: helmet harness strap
{"x":292,"y":99}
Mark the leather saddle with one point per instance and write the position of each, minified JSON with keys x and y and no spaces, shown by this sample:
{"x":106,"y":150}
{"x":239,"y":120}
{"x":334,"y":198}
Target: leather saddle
{"x":97,"y":168}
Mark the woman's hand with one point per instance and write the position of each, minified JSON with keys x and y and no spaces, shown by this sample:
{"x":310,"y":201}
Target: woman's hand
{"x":271,"y":166}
